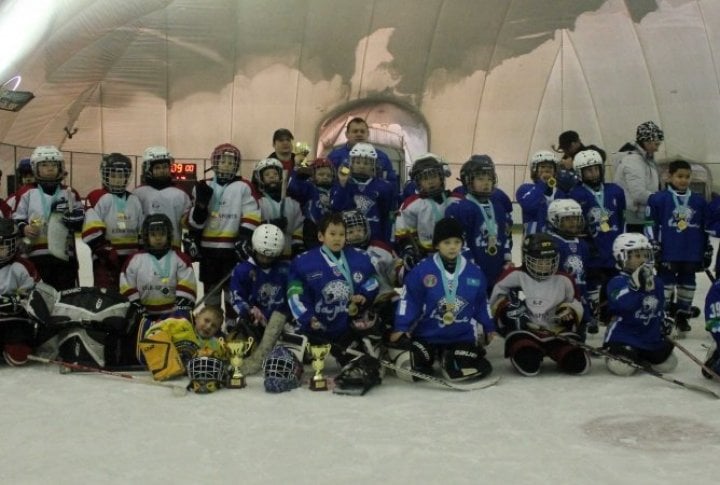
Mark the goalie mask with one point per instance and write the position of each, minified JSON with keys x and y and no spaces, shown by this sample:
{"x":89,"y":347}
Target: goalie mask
{"x":157,"y":228}
{"x":283,"y":371}
{"x":207,"y":374}
{"x":566,"y":218}
{"x":632,"y":246}
{"x":115,"y":170}
{"x":225,"y":160}
{"x":540,"y":256}
{"x":8,"y":241}
{"x":428,"y":173}
{"x":48,"y":164}
{"x":154,"y":157}
{"x":267,"y":176}
{"x":357,"y":228}
{"x":478,"y":176}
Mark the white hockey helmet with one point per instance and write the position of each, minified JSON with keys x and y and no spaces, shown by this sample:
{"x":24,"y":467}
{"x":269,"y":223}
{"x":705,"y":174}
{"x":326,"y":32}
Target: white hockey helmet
{"x":152,"y":156}
{"x":630,"y":241}
{"x":588,"y":158}
{"x":543,"y":156}
{"x":260,"y":167}
{"x":47,"y":154}
{"x":566,"y":217}
{"x":268,"y":240}
{"x":365,"y":150}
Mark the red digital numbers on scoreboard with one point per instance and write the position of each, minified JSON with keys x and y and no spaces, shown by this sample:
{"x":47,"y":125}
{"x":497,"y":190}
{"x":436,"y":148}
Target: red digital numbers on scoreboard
{"x":183,"y":171}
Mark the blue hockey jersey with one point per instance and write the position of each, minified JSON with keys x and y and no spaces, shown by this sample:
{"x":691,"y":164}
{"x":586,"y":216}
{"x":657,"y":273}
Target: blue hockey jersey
{"x":317,"y":288}
{"x":637,"y":316}
{"x":423,"y":303}
{"x":251,"y":286}
{"x":534,"y":204}
{"x":375,"y":198}
{"x":712,"y":312}
{"x":677,"y":222}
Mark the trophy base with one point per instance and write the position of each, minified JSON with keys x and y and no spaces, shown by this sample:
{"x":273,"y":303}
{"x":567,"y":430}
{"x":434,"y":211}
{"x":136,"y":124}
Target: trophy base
{"x":318,"y":384}
{"x":236,"y":383}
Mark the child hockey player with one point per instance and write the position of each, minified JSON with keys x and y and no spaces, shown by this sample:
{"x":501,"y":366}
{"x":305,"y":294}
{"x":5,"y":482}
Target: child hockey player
{"x":310,"y":185}
{"x":421,"y":211}
{"x":48,"y":214}
{"x":635,"y":302}
{"x":159,"y":278}
{"x":676,"y":227}
{"x":259,"y":285}
{"x":566,"y":223}
{"x":443,"y":312}
{"x":208,"y":324}
{"x":223,"y":217}
{"x":360,"y":188}
{"x":485,"y":218}
{"x":112,"y":221}
{"x":158,"y":194}
{"x":603,"y":207}
{"x":550,"y":306}
{"x":17,"y":278}
{"x":328,"y":285}
{"x":535,"y":197}
{"x":283,"y":212}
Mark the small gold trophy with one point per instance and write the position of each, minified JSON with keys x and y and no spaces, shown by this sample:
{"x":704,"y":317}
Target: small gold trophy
{"x":238,"y":349}
{"x":319,"y":352}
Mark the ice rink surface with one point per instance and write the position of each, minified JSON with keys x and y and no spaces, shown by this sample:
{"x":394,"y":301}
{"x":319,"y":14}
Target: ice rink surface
{"x":592,"y":429}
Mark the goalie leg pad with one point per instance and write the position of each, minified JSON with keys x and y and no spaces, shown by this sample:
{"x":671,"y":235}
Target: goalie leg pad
{"x":526,"y":354}
{"x":464,"y":361}
{"x":414,"y":355}
{"x":668,"y":365}
{"x":16,"y":354}
{"x":359,"y":375}
{"x":161,"y":356}
{"x":617,"y":366}
{"x":570,"y":358}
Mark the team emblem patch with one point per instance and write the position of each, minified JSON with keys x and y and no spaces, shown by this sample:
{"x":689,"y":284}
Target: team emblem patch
{"x":429,"y":280}
{"x":357,"y":276}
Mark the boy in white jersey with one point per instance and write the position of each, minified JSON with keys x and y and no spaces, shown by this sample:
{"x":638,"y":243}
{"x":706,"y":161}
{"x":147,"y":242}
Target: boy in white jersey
{"x":112,"y":222}
{"x":17,"y":277}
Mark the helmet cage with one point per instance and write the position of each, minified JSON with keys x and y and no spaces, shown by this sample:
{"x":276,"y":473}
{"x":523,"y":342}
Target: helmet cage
{"x":627,"y":244}
{"x":354,"y":220}
{"x":207,"y":374}
{"x":8,"y":241}
{"x":542,"y":267}
{"x":225,"y":152}
{"x":282,"y":370}
{"x":111,"y":167}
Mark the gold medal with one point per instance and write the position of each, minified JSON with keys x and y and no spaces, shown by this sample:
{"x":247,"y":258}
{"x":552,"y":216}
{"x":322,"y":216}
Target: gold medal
{"x":448,"y":318}
{"x":604,"y":227}
{"x":491,"y":250}
{"x":165,"y":281}
{"x":352,"y":309}
{"x":682,"y":225}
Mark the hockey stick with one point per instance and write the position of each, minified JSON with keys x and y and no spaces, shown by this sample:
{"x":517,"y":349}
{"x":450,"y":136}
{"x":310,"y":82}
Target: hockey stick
{"x":275,"y":325}
{"x":708,"y":370}
{"x":426,"y":377}
{"x":176,"y":390}
{"x":710,"y":276}
{"x":213,"y":290}
{"x":646,"y":369}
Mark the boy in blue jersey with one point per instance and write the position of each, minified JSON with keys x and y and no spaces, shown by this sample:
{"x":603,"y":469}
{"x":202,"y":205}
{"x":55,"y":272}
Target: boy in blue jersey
{"x":330,"y":285}
{"x":676,"y":227}
{"x":712,"y":325}
{"x":258,"y":285}
{"x":603,"y":207}
{"x":635,"y":301}
{"x":443,"y":312}
{"x":534,"y":197}
{"x":485,"y":218}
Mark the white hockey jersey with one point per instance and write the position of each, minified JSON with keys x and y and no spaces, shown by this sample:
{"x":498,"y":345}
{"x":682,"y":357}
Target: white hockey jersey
{"x":171,"y":201}
{"x":117,"y":219}
{"x":271,"y":209}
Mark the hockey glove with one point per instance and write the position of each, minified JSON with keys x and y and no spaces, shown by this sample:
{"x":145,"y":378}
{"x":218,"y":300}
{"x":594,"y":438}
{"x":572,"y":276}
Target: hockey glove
{"x":190,"y":247}
{"x":243,"y":249}
{"x":409,"y":256}
{"x":708,"y":255}
{"x":60,"y":206}
{"x":566,"y":317}
{"x":10,"y":305}
{"x":667,"y":326}
{"x":203,"y":194}
{"x":643,"y":278}
{"x":74,"y":219}
{"x":109,"y":256}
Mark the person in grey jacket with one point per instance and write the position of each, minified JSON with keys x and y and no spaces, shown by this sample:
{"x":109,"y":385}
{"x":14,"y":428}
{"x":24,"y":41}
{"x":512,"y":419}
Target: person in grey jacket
{"x":638,"y":175}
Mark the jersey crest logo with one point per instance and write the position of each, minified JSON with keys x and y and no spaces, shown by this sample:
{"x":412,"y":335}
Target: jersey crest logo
{"x":429,"y":281}
{"x":357,"y":276}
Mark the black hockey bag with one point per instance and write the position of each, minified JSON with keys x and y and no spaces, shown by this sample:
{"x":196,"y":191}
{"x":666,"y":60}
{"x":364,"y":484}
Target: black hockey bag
{"x":92,"y":326}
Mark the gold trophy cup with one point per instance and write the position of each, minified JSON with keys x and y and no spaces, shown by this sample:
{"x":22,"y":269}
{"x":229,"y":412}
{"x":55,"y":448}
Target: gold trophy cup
{"x":238,"y":349}
{"x":319,"y":381}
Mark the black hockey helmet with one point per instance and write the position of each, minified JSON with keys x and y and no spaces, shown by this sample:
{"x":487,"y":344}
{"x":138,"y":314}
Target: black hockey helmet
{"x":113,"y":167}
{"x":353,"y":219}
{"x":154,"y":224}
{"x":540,"y":256}
{"x":8,"y":241}
{"x":425,"y":167}
{"x":477,"y":166}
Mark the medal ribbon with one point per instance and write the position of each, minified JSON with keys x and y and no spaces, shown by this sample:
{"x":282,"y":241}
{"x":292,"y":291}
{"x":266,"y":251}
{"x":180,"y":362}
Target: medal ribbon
{"x":120,"y":204}
{"x":488,"y":212}
{"x":436,"y":207}
{"x":449,"y":284}
{"x":342,"y":265}
{"x":679,"y":204}
{"x":165,"y":271}
{"x":47,"y":205}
